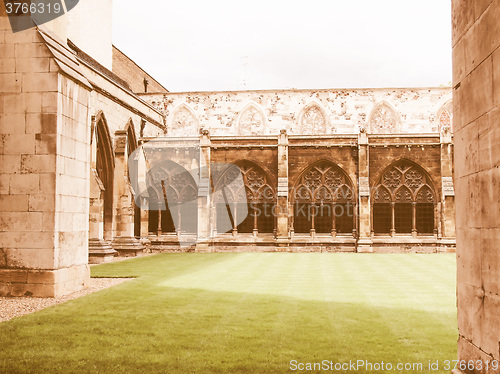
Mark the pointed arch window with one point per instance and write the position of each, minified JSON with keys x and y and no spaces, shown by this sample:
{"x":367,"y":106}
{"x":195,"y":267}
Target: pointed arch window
{"x":323,"y":201}
{"x":245,"y":200}
{"x":174,"y":198}
{"x":404,"y":201}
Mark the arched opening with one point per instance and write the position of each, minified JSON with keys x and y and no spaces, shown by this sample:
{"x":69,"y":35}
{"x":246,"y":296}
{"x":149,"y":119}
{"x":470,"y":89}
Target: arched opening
{"x":404,"y":201}
{"x":323,"y":201}
{"x":245,"y":200}
{"x":105,"y":171}
{"x":131,"y":147}
{"x":173,"y":205}
{"x":384,"y":119}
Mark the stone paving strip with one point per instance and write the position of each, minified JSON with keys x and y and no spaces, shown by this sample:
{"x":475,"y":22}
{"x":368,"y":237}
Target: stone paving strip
{"x":12,"y":307}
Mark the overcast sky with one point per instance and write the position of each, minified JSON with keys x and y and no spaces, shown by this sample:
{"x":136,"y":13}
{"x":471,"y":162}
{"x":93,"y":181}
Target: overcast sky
{"x":201,"y":45}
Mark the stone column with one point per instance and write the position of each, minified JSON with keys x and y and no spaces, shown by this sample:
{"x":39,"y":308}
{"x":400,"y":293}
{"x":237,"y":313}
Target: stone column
{"x":124,"y":241}
{"x":447,"y":211}
{"x":364,"y":238}
{"x":282,"y":193}
{"x":414,"y":220}
{"x":204,"y":221}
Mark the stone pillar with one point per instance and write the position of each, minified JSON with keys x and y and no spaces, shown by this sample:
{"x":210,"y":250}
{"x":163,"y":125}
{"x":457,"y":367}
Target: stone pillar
{"x":282,"y":193}
{"x":124,"y":241}
{"x":44,"y":180}
{"x":204,"y":221}
{"x":364,"y":218}
{"x":447,"y":211}
{"x":476,"y":81}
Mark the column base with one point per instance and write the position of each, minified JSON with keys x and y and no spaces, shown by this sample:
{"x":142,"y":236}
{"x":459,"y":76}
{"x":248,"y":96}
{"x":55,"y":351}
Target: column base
{"x":127,"y":246}
{"x":43,"y":283}
{"x":100,"y":251}
{"x":364,"y":245}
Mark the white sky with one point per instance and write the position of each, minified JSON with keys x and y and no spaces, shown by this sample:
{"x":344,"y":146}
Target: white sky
{"x":200,"y":45}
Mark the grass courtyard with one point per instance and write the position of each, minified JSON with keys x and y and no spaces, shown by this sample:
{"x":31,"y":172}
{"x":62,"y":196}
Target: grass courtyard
{"x":246,"y":313}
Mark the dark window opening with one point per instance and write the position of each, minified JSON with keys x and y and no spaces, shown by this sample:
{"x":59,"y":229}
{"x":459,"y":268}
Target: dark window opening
{"x":425,"y":218}
{"x":382,"y":218}
{"x":403,"y":218}
{"x":344,"y":218}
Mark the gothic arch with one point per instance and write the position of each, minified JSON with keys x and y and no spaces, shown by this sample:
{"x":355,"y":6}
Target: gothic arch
{"x":313,"y":119}
{"x":132,"y":142}
{"x":246,"y":193}
{"x":404,"y":200}
{"x":170,"y":183}
{"x":252,"y":120}
{"x":323,"y":180}
{"x":105,"y":166}
{"x":326,"y":194}
{"x":384,"y":119}
{"x":401,"y":173}
{"x":445,"y":117}
{"x":183,"y":121}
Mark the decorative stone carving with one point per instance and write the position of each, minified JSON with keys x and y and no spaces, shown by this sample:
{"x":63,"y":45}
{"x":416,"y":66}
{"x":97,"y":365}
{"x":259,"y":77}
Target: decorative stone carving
{"x":184,"y":122}
{"x":252,"y":122}
{"x":255,"y":185}
{"x":404,"y":183}
{"x":324,"y":182}
{"x":313,"y":121}
{"x":446,"y":118}
{"x":384,"y":120}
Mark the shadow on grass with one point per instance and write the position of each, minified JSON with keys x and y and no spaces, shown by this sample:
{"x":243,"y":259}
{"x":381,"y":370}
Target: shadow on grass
{"x":141,"y":328}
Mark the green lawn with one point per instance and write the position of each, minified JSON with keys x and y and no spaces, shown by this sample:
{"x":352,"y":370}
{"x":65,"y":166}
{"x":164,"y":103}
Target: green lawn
{"x":246,"y":313}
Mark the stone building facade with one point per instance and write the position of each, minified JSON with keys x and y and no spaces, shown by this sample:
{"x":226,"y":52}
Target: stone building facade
{"x":365,"y":170}
{"x":344,"y":170}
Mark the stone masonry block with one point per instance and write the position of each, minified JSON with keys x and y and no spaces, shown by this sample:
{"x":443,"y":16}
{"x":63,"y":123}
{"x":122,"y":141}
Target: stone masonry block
{"x":15,"y":144}
{"x":33,"y":65}
{"x":24,"y":184}
{"x":28,"y":221}
{"x":13,"y":123}
{"x":490,"y":260}
{"x":41,"y":203}
{"x":10,"y":82}
{"x":489,"y":185}
{"x":41,"y":257}
{"x":38,"y":163}
{"x":10,"y":164}
{"x":39,"y":82}
{"x":14,"y":203}
{"x":463,"y":18}
{"x":8,"y":65}
{"x":468,"y":259}
{"x":489,"y":141}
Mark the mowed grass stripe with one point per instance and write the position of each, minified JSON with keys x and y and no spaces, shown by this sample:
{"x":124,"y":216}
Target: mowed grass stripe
{"x":244,"y":313}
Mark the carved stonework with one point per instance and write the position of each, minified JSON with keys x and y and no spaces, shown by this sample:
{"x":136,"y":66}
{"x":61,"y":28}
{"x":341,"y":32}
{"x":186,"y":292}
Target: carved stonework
{"x":384,"y":120}
{"x":184,"y":123}
{"x":324,"y":182}
{"x":252,"y":122}
{"x":313,"y":122}
{"x":244,"y":181}
{"x":446,"y":118}
{"x":404,"y":183}
{"x":173,"y":182}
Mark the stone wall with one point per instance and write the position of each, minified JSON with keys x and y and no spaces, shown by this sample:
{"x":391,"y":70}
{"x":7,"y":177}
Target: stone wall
{"x":44,"y":169}
{"x":476,"y":80}
{"x":305,"y":112}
